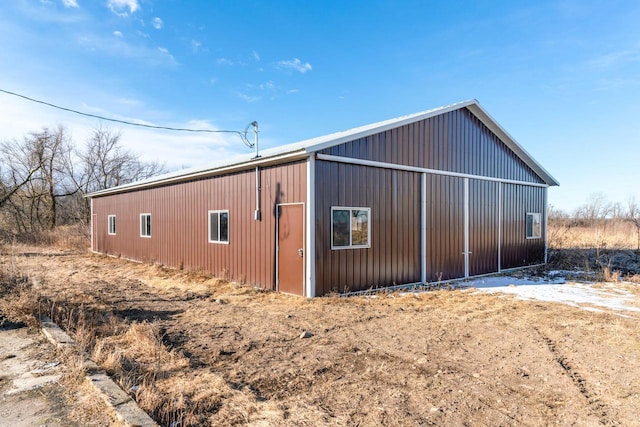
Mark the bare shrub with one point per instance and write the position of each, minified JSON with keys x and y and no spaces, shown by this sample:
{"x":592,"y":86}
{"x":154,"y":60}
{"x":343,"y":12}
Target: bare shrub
{"x":607,"y":274}
{"x":189,"y":399}
{"x":137,"y":355}
{"x":19,"y":302}
{"x":74,"y":237}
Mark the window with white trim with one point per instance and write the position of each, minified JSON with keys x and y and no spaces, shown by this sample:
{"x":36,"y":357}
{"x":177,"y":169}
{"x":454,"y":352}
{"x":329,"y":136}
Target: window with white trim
{"x":534,"y":225}
{"x":111,"y":225}
{"x":219,"y":226}
{"x":145,"y":225}
{"x":350,"y":227}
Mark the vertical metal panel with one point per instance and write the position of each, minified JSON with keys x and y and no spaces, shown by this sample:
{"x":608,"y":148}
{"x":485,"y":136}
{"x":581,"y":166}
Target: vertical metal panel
{"x":516,"y":249}
{"x":483,"y":226}
{"x":180,"y":222}
{"x":394,"y":255}
{"x":445,"y":227}
{"x":456,"y":141}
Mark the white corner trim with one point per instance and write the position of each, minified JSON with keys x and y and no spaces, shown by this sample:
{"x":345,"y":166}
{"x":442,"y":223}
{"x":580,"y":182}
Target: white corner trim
{"x":310,"y":229}
{"x":423,"y":229}
{"x":466,"y":227}
{"x":499,"y":227}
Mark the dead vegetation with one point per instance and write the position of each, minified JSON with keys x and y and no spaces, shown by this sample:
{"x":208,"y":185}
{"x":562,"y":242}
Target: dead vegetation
{"x":194,"y":350}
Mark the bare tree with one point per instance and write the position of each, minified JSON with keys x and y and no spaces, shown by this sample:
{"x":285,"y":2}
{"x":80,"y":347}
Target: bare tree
{"x":595,"y":210}
{"x":57,"y":182}
{"x":43,"y":178}
{"x":633,"y":216}
{"x":103,"y":163}
{"x":22,"y":163}
{"x":36,"y":177}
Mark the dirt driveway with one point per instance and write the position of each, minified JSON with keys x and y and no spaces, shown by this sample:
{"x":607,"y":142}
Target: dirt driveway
{"x":437,"y":358}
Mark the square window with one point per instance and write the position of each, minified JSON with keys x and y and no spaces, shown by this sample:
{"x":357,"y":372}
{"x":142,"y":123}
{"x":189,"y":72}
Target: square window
{"x":219,"y":226}
{"x":534,"y":225}
{"x":350,"y":227}
{"x":145,"y":225}
{"x":111,"y":225}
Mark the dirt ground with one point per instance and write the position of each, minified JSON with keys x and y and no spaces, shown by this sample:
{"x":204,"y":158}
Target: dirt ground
{"x":447,"y":357}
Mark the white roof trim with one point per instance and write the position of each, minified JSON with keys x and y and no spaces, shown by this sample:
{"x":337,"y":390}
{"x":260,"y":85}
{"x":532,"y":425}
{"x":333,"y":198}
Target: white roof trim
{"x":504,"y":136}
{"x":304,"y":148}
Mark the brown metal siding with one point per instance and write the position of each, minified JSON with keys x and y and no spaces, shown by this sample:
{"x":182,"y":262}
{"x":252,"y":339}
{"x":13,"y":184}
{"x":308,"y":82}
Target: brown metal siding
{"x":445,"y":227}
{"x":483,"y":227}
{"x":179,"y":223}
{"x":394,"y":255}
{"x":456,"y":142}
{"x":517,"y":250}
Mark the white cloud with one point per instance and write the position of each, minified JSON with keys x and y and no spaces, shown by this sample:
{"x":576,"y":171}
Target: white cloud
{"x":195,"y":45}
{"x":152,"y":56}
{"x":292,"y":91}
{"x":267,"y":86}
{"x":119,"y":7}
{"x":224,"y":61}
{"x":256,"y":56}
{"x":117,"y":33}
{"x":165,"y":52}
{"x":70,"y":3}
{"x":620,"y":57}
{"x":295,"y":64}
{"x":157,"y":23}
{"x":247,"y":98}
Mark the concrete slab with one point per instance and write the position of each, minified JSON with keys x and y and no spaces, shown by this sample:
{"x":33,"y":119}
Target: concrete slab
{"x":30,"y":394}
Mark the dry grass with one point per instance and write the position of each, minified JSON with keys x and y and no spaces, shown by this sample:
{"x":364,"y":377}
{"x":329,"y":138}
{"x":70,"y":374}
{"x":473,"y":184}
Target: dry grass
{"x":609,"y":235}
{"x":67,"y":237}
{"x":162,"y":381}
{"x":608,"y":250}
{"x":19,"y":303}
{"x":194,"y":350}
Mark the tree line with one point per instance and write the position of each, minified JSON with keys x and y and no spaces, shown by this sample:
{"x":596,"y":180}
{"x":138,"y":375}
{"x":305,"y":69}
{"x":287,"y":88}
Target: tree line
{"x":45,"y":176}
{"x":598,"y":213}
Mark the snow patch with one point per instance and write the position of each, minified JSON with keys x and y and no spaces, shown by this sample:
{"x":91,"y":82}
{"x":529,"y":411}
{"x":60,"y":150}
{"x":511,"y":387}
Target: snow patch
{"x":555,"y":288}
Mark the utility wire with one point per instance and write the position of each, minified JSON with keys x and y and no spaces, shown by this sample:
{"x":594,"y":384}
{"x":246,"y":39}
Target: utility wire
{"x":243,"y":135}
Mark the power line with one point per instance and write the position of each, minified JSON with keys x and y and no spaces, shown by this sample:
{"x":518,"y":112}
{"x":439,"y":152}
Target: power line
{"x":242,"y":135}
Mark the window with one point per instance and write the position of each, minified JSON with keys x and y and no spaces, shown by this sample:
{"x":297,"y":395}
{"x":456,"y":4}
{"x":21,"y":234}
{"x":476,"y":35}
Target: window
{"x":350,"y":227}
{"x":111,"y":225}
{"x":534,"y":226}
{"x":145,"y":225}
{"x":219,"y":226}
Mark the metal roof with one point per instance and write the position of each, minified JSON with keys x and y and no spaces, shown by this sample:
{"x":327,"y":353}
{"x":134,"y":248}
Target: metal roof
{"x":303,"y":149}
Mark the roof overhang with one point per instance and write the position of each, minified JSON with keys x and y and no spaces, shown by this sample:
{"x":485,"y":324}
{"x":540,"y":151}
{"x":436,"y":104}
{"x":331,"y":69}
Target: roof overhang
{"x":304,"y":149}
{"x":191,"y":175}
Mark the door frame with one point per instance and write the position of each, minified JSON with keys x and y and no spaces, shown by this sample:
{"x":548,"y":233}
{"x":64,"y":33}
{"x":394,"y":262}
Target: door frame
{"x":94,"y":232}
{"x":304,"y":245}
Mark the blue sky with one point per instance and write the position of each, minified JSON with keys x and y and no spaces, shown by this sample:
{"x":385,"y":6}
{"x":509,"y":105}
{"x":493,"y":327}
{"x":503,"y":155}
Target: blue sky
{"x":562,"y":77}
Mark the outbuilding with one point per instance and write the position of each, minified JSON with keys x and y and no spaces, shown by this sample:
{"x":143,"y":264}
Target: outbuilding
{"x":437,"y":195}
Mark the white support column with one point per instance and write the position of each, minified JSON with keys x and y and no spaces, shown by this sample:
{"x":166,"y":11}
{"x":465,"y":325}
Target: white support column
{"x":310,"y":229}
{"x":423,"y":230}
{"x":466,"y":227}
{"x":499,"y":227}
{"x":91,"y":222}
{"x":546,"y":225}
